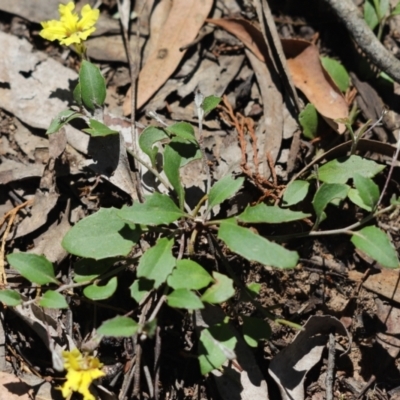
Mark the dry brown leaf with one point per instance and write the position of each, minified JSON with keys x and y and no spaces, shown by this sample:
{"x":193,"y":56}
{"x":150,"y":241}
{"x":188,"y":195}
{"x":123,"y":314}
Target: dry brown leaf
{"x":246,"y":32}
{"x":386,"y":283}
{"x":311,"y":78}
{"x":181,"y":27}
{"x":157,"y":21}
{"x":304,"y":65}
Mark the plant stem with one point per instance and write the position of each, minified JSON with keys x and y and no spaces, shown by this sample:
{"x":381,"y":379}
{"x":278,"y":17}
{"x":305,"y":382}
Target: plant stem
{"x":151,"y":169}
{"x":389,"y":176}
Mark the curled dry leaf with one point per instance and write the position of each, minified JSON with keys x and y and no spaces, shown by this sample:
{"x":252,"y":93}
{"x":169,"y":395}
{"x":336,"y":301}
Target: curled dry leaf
{"x":304,"y":65}
{"x":311,"y":78}
{"x":290,"y":367}
{"x":181,"y":27}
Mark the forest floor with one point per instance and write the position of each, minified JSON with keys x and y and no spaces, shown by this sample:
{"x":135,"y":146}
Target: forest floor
{"x":50,"y":182}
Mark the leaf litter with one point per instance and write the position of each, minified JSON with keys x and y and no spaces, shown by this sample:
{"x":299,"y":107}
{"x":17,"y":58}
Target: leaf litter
{"x":253,"y":133}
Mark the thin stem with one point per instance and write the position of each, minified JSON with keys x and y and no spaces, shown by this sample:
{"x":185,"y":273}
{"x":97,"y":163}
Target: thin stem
{"x":339,"y":231}
{"x":389,"y":176}
{"x":151,"y":169}
{"x":199,"y":204}
{"x":198,"y":99}
{"x":347,"y":230}
{"x":134,"y":72}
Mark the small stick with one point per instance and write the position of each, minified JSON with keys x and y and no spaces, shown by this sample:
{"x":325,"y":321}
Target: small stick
{"x":349,"y":15}
{"x":331,"y":368}
{"x":134,"y":73}
{"x":157,"y":353}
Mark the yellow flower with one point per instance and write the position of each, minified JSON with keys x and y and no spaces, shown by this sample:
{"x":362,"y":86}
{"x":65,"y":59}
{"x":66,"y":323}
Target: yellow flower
{"x":82,"y":370}
{"x":70,"y":29}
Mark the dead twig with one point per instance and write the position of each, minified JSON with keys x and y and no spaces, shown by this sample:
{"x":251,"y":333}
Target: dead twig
{"x":245,"y":125}
{"x":331,"y":367}
{"x":365,"y":38}
{"x":134,"y":73}
{"x":11,"y":215}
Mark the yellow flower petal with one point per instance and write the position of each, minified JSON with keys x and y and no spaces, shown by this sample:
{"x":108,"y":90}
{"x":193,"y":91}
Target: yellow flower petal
{"x":82,"y":370}
{"x":89,"y":18}
{"x":70,"y":29}
{"x":53,"y":30}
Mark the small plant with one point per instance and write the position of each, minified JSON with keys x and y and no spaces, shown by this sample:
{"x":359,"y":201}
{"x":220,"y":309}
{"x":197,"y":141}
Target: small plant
{"x":377,"y":13}
{"x":169,"y":271}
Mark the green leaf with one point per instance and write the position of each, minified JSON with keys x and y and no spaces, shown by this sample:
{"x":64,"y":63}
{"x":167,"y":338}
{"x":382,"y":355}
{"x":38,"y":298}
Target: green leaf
{"x":172,"y":164}
{"x":158,"y":209}
{"x":77,"y":94}
{"x":119,"y":327}
{"x":184,"y":298}
{"x":87,"y":269}
{"x":326,"y":194}
{"x":209,"y":103}
{"x":337,"y":72}
{"x":368,"y":190}
{"x":384,"y":8}
{"x":157,"y":262}
{"x":37,"y":269}
{"x":370,"y":16}
{"x":52,"y":299}
{"x":223,"y":190}
{"x":355,"y":197}
{"x":376,"y":244}
{"x":396,"y":10}
{"x":342,"y":169}
{"x":148,"y":138}
{"x":253,"y":247}
{"x":99,"y":129}
{"x":295,"y":192}
{"x":384,"y":77}
{"x":10,"y":297}
{"x":216,"y":345}
{"x":182,"y":129}
{"x":261,"y":213}
{"x":395,"y":200}
{"x":189,"y":275}
{"x":140,"y":288}
{"x":220,"y":291}
{"x":101,"y":235}
{"x":93,"y":85}
{"x":308,"y":119}
{"x":61,"y":119}
{"x":254,"y":330}
{"x":187,"y":150}
{"x":253,"y":289}
{"x":95,"y":292}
